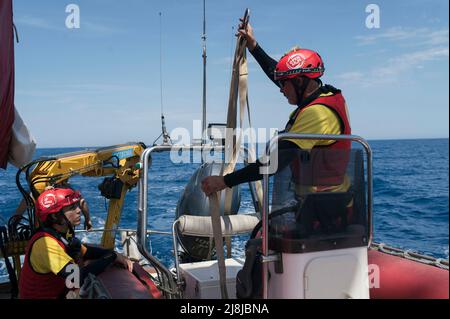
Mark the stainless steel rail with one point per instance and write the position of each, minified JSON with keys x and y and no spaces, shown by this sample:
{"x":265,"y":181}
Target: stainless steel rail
{"x":141,"y":234}
{"x":145,"y":164}
{"x":129,"y":230}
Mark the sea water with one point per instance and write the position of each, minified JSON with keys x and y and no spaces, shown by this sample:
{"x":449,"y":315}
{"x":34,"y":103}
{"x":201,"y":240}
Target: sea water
{"x":410,"y":208}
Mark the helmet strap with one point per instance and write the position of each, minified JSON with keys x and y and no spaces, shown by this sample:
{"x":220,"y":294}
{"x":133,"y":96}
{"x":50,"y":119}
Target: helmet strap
{"x":71,"y":231}
{"x":301,"y":100}
{"x":63,"y":222}
{"x":300,"y":90}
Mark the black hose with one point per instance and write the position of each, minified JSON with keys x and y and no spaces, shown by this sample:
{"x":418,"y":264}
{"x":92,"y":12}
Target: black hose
{"x":29,"y":202}
{"x":22,"y":231}
{"x":9,"y":267}
{"x":18,"y":230}
{"x":105,"y":162}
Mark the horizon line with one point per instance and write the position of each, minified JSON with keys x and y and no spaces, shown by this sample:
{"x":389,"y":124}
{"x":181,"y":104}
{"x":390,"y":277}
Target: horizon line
{"x":373,"y":140}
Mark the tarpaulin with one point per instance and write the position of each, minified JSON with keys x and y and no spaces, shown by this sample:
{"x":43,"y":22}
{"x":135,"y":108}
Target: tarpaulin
{"x":6,"y":79}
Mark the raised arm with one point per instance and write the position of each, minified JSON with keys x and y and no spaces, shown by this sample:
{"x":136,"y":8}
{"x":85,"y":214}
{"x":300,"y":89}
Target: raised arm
{"x":266,"y":63}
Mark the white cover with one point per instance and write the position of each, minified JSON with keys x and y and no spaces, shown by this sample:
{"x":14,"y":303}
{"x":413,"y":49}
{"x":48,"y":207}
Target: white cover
{"x":22,"y":145}
{"x":202,"y":279}
{"x":231,"y":225}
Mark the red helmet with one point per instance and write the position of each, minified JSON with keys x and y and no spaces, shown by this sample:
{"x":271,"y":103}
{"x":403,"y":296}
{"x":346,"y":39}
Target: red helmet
{"x":53,"y":200}
{"x":300,"y":62}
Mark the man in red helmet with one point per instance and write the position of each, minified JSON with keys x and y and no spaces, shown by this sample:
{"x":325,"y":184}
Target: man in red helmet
{"x":320,"y":109}
{"x":53,"y":255}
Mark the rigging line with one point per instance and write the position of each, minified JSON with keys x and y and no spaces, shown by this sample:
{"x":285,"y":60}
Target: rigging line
{"x":204,"y":76}
{"x":164,"y":134}
{"x":160,"y":63}
{"x":154,"y":142}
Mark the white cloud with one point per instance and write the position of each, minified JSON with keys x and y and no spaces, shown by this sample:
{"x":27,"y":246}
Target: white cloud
{"x":100,"y":29}
{"x":351,"y":76}
{"x":395,"y":68}
{"x":41,"y":23}
{"x":439,"y":37}
{"x":411,"y":60}
{"x":35,"y":22}
{"x":392,"y":34}
{"x":428,"y":45}
{"x":420,"y":36}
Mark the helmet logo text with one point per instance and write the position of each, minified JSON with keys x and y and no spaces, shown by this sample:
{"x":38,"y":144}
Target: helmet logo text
{"x":48,"y":200}
{"x":295,"y":61}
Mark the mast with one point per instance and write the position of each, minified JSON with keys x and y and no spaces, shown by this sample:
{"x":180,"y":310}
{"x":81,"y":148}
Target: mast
{"x":204,"y":76}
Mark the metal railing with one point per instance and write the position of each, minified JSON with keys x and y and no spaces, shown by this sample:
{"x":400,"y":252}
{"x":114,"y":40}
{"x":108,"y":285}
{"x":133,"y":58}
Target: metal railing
{"x":272,"y":146}
{"x":145,"y":164}
{"x":173,"y":280}
{"x":128,"y":230}
{"x":141,"y":234}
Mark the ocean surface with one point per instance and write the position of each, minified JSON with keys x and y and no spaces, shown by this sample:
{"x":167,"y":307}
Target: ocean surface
{"x":411,"y":197}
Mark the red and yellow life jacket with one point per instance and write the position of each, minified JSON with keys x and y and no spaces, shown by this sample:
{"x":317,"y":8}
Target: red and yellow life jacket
{"x":33,"y":285}
{"x":326,"y":165}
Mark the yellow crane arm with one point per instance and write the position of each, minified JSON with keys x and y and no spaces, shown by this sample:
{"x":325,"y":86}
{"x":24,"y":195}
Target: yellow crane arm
{"x":118,"y":161}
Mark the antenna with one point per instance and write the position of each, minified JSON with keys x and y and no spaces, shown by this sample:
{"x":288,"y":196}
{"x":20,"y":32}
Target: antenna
{"x":164,"y":134}
{"x":204,"y":76}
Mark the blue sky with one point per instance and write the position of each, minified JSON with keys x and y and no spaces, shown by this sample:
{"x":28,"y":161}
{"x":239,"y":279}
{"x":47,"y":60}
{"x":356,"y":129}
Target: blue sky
{"x":99,"y":84}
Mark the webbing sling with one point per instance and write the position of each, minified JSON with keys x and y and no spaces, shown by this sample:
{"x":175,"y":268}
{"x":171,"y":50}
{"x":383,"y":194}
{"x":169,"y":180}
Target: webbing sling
{"x":239,"y":85}
{"x":232,"y":147}
{"x":218,"y":240}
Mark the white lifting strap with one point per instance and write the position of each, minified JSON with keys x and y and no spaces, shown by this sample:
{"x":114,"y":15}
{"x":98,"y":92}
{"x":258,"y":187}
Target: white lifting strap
{"x":232,"y":148}
{"x":218,"y":240}
{"x":239,"y":84}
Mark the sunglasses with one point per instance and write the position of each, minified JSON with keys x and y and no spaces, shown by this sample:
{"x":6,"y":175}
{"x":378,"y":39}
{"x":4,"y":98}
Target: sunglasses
{"x":282,"y":82}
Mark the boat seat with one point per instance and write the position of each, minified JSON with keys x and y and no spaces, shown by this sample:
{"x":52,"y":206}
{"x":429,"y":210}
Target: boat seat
{"x":329,"y":209}
{"x":232,"y":225}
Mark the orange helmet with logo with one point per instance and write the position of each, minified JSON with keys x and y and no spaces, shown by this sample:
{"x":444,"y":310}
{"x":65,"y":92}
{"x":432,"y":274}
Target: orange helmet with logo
{"x":300,"y":62}
{"x":53,"y":200}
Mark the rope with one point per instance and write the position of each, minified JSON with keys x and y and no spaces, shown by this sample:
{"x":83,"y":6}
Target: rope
{"x":407,"y":254}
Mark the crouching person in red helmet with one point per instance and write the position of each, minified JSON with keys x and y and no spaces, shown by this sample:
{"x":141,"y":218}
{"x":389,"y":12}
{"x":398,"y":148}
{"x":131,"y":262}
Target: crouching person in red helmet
{"x":52,"y":264}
